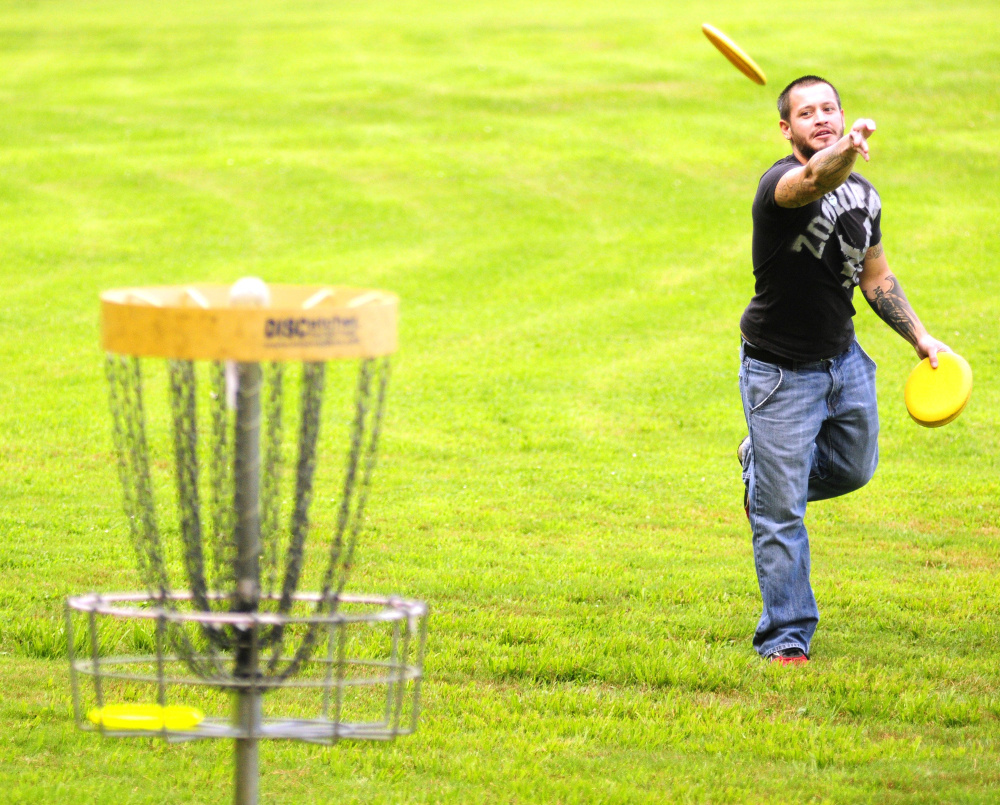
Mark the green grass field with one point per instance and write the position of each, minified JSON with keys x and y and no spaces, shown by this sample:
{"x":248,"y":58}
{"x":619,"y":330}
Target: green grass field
{"x":559,"y":191}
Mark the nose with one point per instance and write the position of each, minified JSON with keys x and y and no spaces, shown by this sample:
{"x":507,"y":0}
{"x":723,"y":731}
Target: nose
{"x":822,"y":120}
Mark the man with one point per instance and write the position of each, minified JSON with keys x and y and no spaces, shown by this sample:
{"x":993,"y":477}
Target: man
{"x":808,"y":388}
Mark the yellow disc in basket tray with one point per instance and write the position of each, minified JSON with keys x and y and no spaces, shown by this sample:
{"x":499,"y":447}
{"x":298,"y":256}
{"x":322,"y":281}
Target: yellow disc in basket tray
{"x":151,"y":717}
{"x":934,"y":397}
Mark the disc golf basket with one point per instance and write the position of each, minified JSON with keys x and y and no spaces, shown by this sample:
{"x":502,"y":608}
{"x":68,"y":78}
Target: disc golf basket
{"x":243,"y":496}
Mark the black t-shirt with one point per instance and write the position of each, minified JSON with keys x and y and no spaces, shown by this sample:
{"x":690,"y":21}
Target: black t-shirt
{"x":806,"y":262}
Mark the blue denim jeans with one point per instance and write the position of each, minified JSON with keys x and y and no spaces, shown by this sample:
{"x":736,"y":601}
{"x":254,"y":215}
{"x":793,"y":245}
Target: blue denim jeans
{"x":813,"y":435}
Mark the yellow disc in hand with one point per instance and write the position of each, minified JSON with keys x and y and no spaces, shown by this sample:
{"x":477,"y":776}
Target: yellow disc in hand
{"x":934,"y":397}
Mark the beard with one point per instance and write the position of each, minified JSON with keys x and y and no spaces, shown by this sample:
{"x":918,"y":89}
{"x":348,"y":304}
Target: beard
{"x":803,"y":148}
{"x":802,"y":145}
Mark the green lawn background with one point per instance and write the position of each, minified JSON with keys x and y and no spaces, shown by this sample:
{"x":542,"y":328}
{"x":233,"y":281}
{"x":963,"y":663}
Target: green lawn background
{"x":559,"y":192}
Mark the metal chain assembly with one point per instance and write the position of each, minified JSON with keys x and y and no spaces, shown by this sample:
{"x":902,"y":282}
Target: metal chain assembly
{"x":205,"y":466}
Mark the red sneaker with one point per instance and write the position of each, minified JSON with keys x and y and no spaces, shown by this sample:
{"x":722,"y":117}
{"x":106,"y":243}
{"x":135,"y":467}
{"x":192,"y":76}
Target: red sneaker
{"x":789,"y":656}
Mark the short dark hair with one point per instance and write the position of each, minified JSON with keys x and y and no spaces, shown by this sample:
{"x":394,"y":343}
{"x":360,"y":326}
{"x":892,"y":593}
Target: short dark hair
{"x":784,"y":100}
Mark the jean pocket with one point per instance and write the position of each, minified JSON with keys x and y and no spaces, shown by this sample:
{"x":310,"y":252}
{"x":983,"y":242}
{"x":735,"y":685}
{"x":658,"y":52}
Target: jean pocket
{"x":866,"y":357}
{"x":762,"y":382}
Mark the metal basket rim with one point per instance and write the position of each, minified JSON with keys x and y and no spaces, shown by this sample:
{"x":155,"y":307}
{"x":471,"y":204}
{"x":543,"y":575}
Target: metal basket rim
{"x":124,"y":605}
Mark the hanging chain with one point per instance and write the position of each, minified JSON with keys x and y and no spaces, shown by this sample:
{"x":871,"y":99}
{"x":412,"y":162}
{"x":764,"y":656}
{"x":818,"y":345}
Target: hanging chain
{"x":310,"y":410}
{"x":313,"y":381}
{"x":185,"y":432}
{"x":132,"y":448}
{"x":221,"y":546}
{"x":367,"y":421}
{"x":206,"y":533}
{"x":272,"y":470}
{"x":374,"y":431}
{"x":354,"y":494}
{"x":129,"y":434}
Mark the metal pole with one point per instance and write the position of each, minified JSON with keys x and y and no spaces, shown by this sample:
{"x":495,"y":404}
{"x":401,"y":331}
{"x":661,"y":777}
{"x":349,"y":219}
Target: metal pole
{"x":246,"y":473}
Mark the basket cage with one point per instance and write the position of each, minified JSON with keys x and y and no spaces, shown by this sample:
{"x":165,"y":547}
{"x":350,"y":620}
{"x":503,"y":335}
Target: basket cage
{"x":238,"y":491}
{"x":351,"y":674}
{"x":230,"y":410}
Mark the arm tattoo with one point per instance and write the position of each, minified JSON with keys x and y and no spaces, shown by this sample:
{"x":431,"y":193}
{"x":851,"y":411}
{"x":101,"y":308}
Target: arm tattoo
{"x":893,"y":308}
{"x":836,"y":163}
{"x":874,"y":252}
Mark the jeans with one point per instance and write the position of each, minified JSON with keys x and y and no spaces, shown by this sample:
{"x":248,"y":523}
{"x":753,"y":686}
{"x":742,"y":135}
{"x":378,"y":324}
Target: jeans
{"x":813,"y":435}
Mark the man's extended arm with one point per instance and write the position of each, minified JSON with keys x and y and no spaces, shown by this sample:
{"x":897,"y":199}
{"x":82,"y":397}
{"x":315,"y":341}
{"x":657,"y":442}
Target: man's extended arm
{"x":885,"y":295}
{"x":826,"y":170}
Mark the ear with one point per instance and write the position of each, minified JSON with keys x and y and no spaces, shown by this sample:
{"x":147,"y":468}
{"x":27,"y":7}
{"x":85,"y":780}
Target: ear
{"x":786,"y":129}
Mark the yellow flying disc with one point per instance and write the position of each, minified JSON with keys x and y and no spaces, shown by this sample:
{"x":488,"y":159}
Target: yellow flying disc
{"x":934,"y":397}
{"x":728,"y":48}
{"x":148,"y":717}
